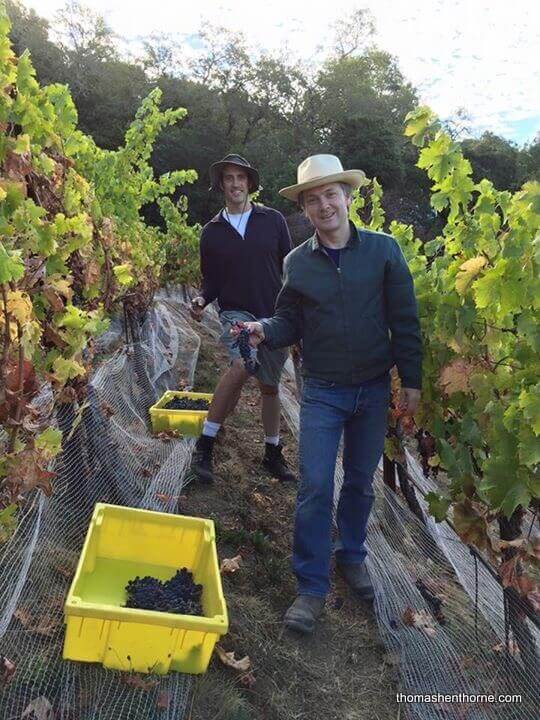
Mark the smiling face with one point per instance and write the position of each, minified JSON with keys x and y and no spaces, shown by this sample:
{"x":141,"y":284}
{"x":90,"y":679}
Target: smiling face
{"x":235,"y":184}
{"x":327,"y":207}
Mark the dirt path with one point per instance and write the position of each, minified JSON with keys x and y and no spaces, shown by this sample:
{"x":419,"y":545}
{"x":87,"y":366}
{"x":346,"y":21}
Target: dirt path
{"x":342,"y":671}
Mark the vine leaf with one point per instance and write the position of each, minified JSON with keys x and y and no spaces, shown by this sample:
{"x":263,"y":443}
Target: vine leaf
{"x":25,"y":471}
{"x":468,"y":271}
{"x":455,"y":376}
{"x":471,"y":525}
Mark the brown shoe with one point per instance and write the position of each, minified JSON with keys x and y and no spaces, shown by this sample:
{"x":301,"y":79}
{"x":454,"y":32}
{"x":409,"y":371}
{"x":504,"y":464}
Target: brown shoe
{"x":303,"y":613}
{"x":357,"y":578}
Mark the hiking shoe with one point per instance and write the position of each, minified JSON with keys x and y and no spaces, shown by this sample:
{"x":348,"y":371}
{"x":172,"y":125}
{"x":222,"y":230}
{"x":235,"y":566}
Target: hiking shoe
{"x":276,"y":465}
{"x":201,"y":463}
{"x":303,"y":613}
{"x":357,"y":578}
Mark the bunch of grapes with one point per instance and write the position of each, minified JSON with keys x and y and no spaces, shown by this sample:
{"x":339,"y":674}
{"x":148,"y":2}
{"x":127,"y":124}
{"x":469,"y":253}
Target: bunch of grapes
{"x":184,"y":403}
{"x":178,"y":595}
{"x":247,"y":353}
{"x":427,"y":449}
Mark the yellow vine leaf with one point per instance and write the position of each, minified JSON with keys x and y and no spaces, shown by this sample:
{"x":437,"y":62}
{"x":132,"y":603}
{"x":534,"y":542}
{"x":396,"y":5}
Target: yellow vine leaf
{"x":31,"y":335}
{"x":19,"y":306}
{"x":468,"y":272}
{"x":65,"y":370}
{"x":62,"y":285}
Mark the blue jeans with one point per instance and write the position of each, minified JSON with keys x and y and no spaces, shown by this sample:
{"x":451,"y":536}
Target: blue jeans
{"x":328,"y":410}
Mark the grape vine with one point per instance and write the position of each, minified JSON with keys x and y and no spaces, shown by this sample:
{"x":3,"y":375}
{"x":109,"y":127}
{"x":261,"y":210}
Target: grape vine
{"x":478,"y":294}
{"x":73,"y":249}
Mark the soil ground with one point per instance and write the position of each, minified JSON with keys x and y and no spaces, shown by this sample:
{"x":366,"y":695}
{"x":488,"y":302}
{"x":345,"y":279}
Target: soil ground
{"x":341,"y":672}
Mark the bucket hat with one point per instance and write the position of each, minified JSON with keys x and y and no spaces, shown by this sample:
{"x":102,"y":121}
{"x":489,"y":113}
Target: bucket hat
{"x":233,"y":159}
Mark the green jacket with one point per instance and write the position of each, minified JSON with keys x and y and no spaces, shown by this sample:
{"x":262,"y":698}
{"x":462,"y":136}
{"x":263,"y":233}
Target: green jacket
{"x":355,"y":322}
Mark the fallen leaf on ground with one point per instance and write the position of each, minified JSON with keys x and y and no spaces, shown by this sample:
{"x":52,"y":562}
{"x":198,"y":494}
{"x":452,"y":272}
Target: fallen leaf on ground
{"x":39,"y":709}
{"x":248,"y":679}
{"x":45,"y":626}
{"x":162,"y":702}
{"x":163,"y":497}
{"x":261,"y":499}
{"x":107,"y":409}
{"x":230,"y":565}
{"x":56,"y":601}
{"x":420,"y":619}
{"x":227,"y":658}
{"x":167,"y":435}
{"x":513,"y":648}
{"x":23,"y":616}
{"x":138,"y":681}
{"x":42,"y":625}
{"x":64,"y":570}
{"x":7,"y":669}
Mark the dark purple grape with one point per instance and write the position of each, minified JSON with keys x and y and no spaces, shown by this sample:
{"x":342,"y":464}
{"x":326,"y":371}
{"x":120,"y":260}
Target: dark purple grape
{"x":184,"y":403}
{"x":247,"y":353}
{"x":177,"y":595}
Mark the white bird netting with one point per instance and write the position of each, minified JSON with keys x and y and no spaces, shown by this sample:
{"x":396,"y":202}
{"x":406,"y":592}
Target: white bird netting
{"x":110,"y":455}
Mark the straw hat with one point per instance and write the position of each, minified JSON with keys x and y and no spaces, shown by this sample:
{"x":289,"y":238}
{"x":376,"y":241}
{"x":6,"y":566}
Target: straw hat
{"x":320,"y":170}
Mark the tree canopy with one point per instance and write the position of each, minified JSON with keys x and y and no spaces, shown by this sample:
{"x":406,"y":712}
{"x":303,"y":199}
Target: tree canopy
{"x":261,"y":105}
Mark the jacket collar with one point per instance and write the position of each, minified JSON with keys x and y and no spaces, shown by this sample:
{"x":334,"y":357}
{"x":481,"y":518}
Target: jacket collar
{"x":353,"y":240}
{"x":257,"y":209}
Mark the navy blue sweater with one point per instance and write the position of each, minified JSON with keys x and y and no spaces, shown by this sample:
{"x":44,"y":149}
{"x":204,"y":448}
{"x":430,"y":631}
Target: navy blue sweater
{"x":244,"y":273}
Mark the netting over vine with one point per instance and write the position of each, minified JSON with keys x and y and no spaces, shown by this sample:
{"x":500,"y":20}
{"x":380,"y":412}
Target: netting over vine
{"x":424,"y":576}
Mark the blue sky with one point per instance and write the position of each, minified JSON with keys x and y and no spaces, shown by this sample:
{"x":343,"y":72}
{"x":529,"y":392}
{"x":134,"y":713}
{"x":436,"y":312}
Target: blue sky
{"x":522,"y":131}
{"x":479,"y":55}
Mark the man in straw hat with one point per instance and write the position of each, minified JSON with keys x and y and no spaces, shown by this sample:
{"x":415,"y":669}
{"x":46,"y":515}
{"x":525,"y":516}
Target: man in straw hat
{"x":242,"y":250}
{"x":348,"y":295}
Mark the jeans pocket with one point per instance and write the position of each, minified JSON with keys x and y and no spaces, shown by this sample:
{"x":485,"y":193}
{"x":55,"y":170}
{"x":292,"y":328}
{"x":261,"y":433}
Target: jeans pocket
{"x":315,"y":389}
{"x":379,"y":392}
{"x":319,"y":383}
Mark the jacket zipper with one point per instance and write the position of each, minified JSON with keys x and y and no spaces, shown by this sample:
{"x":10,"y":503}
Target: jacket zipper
{"x":344,"y":314}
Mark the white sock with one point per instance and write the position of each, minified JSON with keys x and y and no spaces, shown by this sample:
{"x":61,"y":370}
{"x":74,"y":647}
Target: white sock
{"x":210,"y":429}
{"x":274,"y":440}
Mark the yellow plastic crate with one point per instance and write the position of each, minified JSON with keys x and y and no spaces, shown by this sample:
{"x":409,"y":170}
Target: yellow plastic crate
{"x":187,"y":422}
{"x":122,"y":543}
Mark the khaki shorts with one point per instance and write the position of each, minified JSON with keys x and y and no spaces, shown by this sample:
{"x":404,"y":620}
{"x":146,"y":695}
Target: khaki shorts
{"x":271,"y":362}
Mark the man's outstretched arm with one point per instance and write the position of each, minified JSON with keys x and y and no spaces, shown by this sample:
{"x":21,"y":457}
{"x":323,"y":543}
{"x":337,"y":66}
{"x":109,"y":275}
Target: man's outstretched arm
{"x":284,"y":328}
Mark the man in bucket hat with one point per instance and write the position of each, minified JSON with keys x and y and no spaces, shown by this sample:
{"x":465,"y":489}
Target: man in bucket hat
{"x":242,"y":250}
{"x":348,"y":295}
